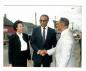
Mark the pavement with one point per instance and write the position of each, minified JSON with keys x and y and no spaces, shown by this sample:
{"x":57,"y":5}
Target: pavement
{"x":30,"y":64}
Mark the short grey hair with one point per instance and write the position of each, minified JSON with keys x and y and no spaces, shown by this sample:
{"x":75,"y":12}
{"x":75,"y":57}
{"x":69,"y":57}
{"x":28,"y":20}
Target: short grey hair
{"x":65,"y":21}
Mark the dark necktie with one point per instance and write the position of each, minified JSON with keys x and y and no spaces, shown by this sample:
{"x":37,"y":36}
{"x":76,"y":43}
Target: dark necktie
{"x":43,"y":34}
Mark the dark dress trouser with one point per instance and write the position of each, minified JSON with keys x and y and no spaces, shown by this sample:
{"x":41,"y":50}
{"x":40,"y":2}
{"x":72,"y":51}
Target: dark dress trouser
{"x":38,"y":64}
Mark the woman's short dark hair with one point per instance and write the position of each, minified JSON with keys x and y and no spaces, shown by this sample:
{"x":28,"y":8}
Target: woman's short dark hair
{"x":65,"y":21}
{"x":16,"y":24}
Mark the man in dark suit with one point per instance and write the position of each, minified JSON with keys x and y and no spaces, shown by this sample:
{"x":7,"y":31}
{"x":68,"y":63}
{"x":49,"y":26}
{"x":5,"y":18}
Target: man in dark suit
{"x":43,"y":38}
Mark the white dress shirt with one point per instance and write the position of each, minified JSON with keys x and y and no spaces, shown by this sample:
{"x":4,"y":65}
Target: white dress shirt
{"x":64,"y":50}
{"x":46,"y":29}
{"x":23,"y":43}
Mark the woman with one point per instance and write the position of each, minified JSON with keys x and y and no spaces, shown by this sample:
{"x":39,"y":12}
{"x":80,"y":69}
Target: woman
{"x":19,"y":50}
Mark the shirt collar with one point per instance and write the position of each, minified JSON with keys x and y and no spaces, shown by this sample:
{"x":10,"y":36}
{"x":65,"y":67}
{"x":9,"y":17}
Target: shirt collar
{"x":45,"y":27}
{"x":20,"y":35}
{"x":65,"y":31}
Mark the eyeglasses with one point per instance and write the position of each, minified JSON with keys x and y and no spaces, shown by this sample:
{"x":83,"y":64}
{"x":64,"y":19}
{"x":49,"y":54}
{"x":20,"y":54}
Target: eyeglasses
{"x":43,"y":20}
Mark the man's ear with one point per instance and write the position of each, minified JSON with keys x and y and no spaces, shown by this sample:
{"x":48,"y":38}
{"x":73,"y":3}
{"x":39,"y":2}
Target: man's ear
{"x":62,"y":24}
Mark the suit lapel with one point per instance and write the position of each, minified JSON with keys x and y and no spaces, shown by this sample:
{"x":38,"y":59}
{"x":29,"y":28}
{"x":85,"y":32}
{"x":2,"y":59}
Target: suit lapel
{"x":24,"y":37}
{"x":17,"y":37}
{"x":40,"y":33}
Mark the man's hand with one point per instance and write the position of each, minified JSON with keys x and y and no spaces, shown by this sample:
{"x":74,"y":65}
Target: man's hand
{"x":38,"y":51}
{"x":42,"y":52}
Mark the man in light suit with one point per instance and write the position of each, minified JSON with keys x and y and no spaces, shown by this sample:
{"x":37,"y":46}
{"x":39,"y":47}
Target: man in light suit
{"x":43,"y":38}
{"x":64,"y":50}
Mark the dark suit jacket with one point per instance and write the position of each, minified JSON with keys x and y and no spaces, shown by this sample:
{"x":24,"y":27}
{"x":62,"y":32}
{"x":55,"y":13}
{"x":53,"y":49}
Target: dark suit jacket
{"x":37,"y":43}
{"x":16,"y":56}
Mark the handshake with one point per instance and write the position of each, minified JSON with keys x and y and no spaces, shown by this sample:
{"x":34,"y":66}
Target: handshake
{"x":42,"y":52}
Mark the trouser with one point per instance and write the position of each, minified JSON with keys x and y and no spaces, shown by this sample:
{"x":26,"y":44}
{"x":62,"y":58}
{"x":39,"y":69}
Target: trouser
{"x":42,"y":62}
{"x":38,"y":64}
